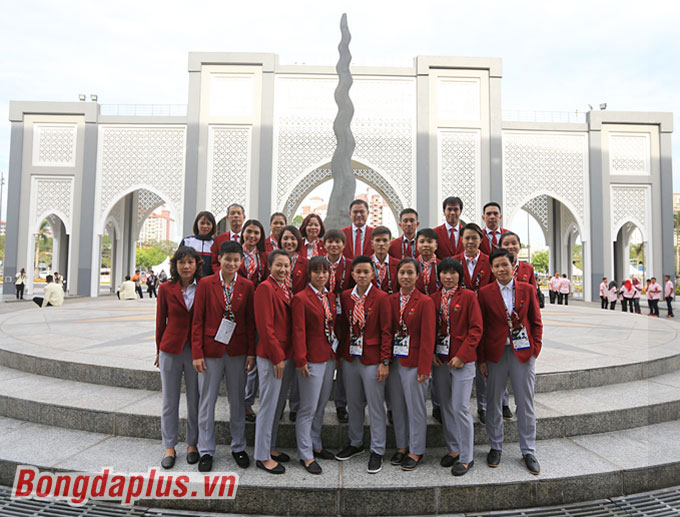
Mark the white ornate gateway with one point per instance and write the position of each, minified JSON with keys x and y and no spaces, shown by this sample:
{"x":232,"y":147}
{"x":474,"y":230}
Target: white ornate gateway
{"x":260,"y":133}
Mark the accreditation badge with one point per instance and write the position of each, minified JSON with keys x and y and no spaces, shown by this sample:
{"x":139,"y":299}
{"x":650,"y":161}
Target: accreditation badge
{"x":520,"y":339}
{"x":334,"y":342}
{"x":225,"y":331}
{"x":443,"y":345}
{"x":401,"y":345}
{"x":356,"y":346}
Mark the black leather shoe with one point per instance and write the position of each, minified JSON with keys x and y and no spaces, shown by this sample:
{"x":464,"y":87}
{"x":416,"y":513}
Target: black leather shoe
{"x":205,"y":463}
{"x":312,"y":468}
{"x":193,"y":457}
{"x":292,"y":416}
{"x":437,"y":413}
{"x":374,"y":463}
{"x":279,"y":469}
{"x":398,"y":458}
{"x":507,"y":413}
{"x":493,"y":459}
{"x":324,"y":455}
{"x":242,"y":459}
{"x":389,"y":418}
{"x":459,"y":469}
{"x":532,"y":464}
{"x":250,"y":417}
{"x":282,"y":457}
{"x":349,"y":452}
{"x":343,"y":418}
{"x":481,"y":414}
{"x":168,"y":462}
{"x":448,"y":461}
{"x":410,"y":464}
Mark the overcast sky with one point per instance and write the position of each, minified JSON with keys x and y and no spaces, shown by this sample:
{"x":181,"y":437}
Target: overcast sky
{"x":557,"y":56}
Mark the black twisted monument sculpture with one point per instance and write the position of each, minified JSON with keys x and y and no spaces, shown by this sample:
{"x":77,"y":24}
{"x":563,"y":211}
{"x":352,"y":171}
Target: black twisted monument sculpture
{"x":344,"y":183}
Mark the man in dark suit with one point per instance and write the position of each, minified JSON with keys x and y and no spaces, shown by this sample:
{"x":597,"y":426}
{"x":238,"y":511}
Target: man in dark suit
{"x":450,"y":241}
{"x":510,"y":344}
{"x":358,"y":235}
{"x":492,"y":217}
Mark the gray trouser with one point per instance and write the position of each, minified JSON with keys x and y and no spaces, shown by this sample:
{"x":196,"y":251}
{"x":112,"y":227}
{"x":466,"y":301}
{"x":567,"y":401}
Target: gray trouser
{"x":234,"y":371}
{"x":409,"y":413}
{"x":251,"y":387}
{"x":314,"y":393}
{"x":480,"y":387}
{"x":340,"y":395}
{"x":454,"y":386}
{"x":294,"y":403}
{"x":172,"y":366}
{"x":522,"y":377}
{"x":363,"y":388}
{"x":272,"y":400}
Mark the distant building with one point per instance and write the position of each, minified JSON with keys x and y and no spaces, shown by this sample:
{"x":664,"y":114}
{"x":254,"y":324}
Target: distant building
{"x":157,"y":227}
{"x":3,"y":225}
{"x":676,"y":202}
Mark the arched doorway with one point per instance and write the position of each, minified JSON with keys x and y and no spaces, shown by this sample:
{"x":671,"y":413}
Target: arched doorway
{"x":363,"y":174}
{"x":119,"y":240}
{"x":630,"y":253}
{"x":49,"y":251}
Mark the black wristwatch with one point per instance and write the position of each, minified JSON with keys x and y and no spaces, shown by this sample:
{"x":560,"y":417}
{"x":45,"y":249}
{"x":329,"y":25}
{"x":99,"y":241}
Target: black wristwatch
{"x":386,"y":362}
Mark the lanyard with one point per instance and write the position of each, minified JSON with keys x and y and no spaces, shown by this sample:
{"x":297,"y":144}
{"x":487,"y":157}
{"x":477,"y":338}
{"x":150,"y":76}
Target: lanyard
{"x":403,"y":302}
{"x":334,"y":268}
{"x":259,"y":265}
{"x":445,"y":315}
{"x":359,"y":315}
{"x":426,"y":281}
{"x":513,"y":314}
{"x":328,"y":314}
{"x":405,"y":245}
{"x":275,"y":245}
{"x":388,"y":274}
{"x":228,"y":291}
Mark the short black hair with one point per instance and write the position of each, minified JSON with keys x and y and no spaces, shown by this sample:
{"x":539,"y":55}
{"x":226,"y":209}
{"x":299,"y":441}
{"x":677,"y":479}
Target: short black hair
{"x":231,"y":247}
{"x":334,"y":235}
{"x":428,"y":233}
{"x":406,"y":211}
{"x":185,"y":251}
{"x":236,"y":205}
{"x":275,"y":253}
{"x":49,"y":278}
{"x":474,"y":227}
{"x":381,"y":230}
{"x":318,"y":263}
{"x":408,"y":260}
{"x":501,"y":252}
{"x":358,"y":201}
{"x":361,"y":259}
{"x":278,"y":214}
{"x":453,"y":201}
{"x":210,"y":217}
{"x":127,"y":277}
{"x":452,"y":265}
{"x":509,"y":234}
{"x":491,"y":203}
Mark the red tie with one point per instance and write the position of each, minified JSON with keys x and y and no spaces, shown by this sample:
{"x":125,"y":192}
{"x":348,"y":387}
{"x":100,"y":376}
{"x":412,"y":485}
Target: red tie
{"x":235,"y":237}
{"x":494,"y":240}
{"x":357,"y":243}
{"x":452,"y":238}
{"x":409,"y":251}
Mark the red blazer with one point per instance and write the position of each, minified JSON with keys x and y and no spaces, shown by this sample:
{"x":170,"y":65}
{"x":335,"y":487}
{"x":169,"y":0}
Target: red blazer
{"x":433,"y":286}
{"x":173,"y":320}
{"x":378,"y":329}
{"x":272,"y":318}
{"x":215,"y":249}
{"x":299,"y":273}
{"x":268,"y":246}
{"x":420,"y":320}
{"x":309,"y":338}
{"x":390,"y":285}
{"x":349,"y":244}
{"x":262,"y":271}
{"x":322,"y":248}
{"x":208,"y":311}
{"x":496,"y":329}
{"x":465,"y":324}
{"x":444,"y":248}
{"x":397,"y":250}
{"x":485,"y":246}
{"x":525,"y":273}
{"x":483,"y":269}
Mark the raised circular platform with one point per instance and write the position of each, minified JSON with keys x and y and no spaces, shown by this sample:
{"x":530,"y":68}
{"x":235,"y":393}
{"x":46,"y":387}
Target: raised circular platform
{"x":78,"y":391}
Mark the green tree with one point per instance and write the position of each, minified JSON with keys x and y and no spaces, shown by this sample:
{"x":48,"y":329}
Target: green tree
{"x":541,"y":261}
{"x":107,"y":248}
{"x":297,"y":221}
{"x":41,"y":241}
{"x":153,"y":255}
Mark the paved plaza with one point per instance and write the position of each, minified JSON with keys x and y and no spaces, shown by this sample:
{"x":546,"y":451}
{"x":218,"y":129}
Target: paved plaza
{"x":78,"y":391}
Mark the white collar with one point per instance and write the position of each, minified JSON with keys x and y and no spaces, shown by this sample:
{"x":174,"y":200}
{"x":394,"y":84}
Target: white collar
{"x":222,"y":279}
{"x":316,"y":291}
{"x":407,"y":239}
{"x":449,"y":227}
{"x":337,"y":261}
{"x":386,"y":261}
{"x":508,"y":286}
{"x":489,"y":231}
{"x":355,"y":228}
{"x":356,"y":293}
{"x":472,"y":259}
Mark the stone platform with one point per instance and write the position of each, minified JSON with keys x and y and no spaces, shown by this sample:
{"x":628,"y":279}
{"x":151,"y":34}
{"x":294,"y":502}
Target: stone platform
{"x":80,"y":378}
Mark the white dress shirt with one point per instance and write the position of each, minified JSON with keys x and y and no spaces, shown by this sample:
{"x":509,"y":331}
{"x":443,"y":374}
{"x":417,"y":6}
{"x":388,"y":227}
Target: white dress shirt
{"x":472,"y":263}
{"x":506,"y":293}
{"x":354,"y":237}
{"x":190,"y":292}
{"x":453,"y":229}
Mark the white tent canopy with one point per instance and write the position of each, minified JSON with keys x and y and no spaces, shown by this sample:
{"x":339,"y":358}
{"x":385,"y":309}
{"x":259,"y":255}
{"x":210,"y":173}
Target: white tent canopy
{"x":165,"y":265}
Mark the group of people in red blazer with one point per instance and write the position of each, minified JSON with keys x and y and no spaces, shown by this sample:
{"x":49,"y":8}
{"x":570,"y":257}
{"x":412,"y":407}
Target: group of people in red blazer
{"x":441,"y":307}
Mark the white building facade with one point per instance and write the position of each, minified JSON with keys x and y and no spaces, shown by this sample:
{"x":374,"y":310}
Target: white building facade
{"x":259,"y":133}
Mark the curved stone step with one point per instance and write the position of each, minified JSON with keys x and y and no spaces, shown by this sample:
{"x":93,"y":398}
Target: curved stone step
{"x":136,"y":413}
{"x":573,"y":469}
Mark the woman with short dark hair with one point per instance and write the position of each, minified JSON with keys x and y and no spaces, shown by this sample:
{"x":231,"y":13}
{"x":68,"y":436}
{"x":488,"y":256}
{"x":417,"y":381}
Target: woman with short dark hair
{"x":202,"y":240}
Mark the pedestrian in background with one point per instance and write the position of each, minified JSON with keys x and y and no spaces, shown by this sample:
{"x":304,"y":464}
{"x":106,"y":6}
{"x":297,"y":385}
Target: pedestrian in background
{"x":20,"y":283}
